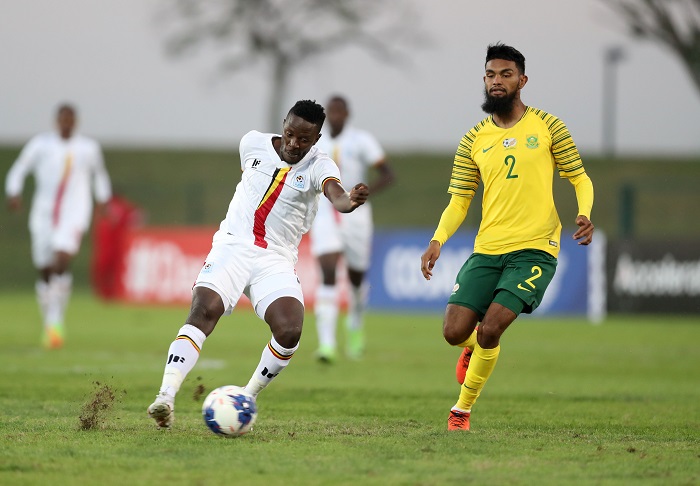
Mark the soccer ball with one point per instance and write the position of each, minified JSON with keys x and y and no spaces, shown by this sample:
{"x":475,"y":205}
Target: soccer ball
{"x":230,"y":411}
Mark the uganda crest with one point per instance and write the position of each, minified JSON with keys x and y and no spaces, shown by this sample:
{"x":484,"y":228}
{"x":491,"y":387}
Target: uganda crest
{"x":531,"y":141}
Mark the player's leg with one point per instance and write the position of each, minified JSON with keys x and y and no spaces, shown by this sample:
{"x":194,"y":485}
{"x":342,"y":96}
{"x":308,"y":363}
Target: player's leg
{"x":64,"y":245}
{"x":326,"y":307}
{"x":357,"y":231}
{"x":485,"y":354}
{"x":285,"y":316}
{"x":43,"y":259}
{"x":278,"y":299}
{"x":216,"y":291}
{"x":206,"y":309}
{"x":521,"y":288}
{"x":460,"y":321}
{"x":469,"y":302}
{"x":355,"y":343}
{"x":60,"y":285}
{"x":326,"y":246}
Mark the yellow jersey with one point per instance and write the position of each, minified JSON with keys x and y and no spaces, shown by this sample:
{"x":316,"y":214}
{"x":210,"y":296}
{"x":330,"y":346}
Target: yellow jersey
{"x":516,"y":166}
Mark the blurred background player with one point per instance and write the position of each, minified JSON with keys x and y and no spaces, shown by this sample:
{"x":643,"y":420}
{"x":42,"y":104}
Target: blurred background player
{"x":348,"y":235}
{"x":515,"y":151}
{"x":256,"y":248}
{"x":67,"y":167}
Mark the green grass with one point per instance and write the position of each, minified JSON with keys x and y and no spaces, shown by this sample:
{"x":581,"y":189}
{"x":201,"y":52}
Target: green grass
{"x":569,"y":403}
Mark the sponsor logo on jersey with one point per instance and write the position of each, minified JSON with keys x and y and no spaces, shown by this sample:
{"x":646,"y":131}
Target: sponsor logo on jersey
{"x":206,"y":268}
{"x":298,"y":182}
{"x":553,"y":243}
{"x":256,"y":162}
{"x":483,"y":151}
{"x":455,"y":288}
{"x":531,"y":141}
{"x":509,"y":142}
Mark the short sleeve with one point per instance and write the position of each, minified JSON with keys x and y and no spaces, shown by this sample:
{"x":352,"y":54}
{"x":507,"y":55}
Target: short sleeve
{"x":323,"y":169}
{"x":372,"y":152}
{"x":244,"y":146}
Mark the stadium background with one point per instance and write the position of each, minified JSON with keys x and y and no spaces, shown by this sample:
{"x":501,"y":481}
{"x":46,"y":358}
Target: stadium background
{"x":647,"y":199}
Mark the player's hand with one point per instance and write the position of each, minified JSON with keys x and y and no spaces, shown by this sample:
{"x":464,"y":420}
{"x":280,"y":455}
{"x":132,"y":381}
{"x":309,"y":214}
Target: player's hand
{"x":585,"y":230}
{"x":359,"y":195}
{"x":427,"y":261}
{"x":14,"y":203}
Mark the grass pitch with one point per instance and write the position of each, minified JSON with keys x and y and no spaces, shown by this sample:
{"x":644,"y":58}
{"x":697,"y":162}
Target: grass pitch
{"x":569,"y":403}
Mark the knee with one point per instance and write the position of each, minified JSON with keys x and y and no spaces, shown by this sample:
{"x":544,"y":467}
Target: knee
{"x":203,"y":317}
{"x":288,"y":333}
{"x":453,"y":334}
{"x":489,"y":334}
{"x":328,"y":276}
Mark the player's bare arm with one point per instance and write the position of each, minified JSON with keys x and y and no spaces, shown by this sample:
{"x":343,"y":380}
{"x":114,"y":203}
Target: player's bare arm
{"x":385,"y":177}
{"x":585,"y":231}
{"x":427,"y":261}
{"x":343,"y":201}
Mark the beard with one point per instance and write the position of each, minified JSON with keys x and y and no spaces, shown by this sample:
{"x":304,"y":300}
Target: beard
{"x":498,"y":105}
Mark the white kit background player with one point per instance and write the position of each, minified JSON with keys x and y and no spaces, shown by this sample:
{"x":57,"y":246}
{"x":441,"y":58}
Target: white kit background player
{"x":255,"y":249}
{"x":348,"y":235}
{"x":67,"y":169}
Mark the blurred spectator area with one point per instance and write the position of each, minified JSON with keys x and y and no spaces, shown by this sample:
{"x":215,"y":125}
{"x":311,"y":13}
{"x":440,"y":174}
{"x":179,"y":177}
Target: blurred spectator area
{"x":647,"y":198}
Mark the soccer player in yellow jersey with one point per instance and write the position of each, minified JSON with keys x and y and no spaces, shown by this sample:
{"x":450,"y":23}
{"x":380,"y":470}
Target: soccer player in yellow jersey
{"x":514,"y":152}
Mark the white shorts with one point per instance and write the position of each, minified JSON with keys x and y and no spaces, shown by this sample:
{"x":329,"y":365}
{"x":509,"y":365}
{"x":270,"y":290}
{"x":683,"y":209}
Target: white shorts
{"x":233,"y":268}
{"x":47,"y":242}
{"x":349,"y":234}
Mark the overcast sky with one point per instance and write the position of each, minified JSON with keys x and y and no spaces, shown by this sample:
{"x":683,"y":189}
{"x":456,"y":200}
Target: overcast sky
{"x":107,"y":57}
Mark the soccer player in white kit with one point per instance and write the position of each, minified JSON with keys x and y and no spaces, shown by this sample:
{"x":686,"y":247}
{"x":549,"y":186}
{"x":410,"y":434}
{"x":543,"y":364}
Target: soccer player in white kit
{"x":65,"y":166}
{"x":255,"y":249}
{"x":334,"y":235}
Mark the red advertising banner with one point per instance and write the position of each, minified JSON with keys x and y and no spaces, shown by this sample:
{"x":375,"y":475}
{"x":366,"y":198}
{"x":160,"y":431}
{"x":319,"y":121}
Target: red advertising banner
{"x":160,"y":264}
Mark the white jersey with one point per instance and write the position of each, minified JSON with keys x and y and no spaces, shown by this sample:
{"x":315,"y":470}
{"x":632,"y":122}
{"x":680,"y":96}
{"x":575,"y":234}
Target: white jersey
{"x":275,"y":202}
{"x":355,"y":151}
{"x":64,"y":171}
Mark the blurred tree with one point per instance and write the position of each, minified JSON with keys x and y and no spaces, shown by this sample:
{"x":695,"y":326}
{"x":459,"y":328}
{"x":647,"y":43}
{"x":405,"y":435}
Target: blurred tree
{"x":285,"y":33}
{"x":672,"y":23}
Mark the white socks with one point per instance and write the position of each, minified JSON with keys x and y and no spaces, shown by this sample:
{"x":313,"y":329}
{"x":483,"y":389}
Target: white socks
{"x":184,"y":352}
{"x":182,"y":356}
{"x":273,"y":360}
{"x":53,"y":298}
{"x":42,"y":297}
{"x":326,"y":308}
{"x":356,"y":307}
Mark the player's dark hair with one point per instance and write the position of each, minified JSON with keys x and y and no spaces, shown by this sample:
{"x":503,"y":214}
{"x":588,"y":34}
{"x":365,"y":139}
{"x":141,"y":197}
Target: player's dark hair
{"x":66,"y":107}
{"x":507,"y":53}
{"x":339,"y":99}
{"x":310,"y":111}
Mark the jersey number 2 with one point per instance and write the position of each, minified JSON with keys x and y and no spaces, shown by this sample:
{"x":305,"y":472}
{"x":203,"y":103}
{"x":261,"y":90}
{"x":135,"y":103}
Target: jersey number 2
{"x":536,"y":273}
{"x":510,"y":162}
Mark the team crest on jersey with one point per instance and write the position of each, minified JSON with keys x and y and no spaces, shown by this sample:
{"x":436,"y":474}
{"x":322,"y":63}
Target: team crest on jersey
{"x":455,"y":288}
{"x":206,"y":268}
{"x":509,"y":142}
{"x":298,"y":181}
{"x":531,"y":141}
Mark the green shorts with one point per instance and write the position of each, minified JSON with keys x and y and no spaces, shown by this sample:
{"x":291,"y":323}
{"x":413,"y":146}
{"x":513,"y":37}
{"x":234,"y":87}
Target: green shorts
{"x":516,"y":280}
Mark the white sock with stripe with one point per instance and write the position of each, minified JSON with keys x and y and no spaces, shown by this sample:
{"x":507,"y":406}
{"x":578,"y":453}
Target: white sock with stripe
{"x":273,"y":360}
{"x":356,"y":307}
{"x":42,"y":297}
{"x":182,"y":356}
{"x":326,"y":310}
